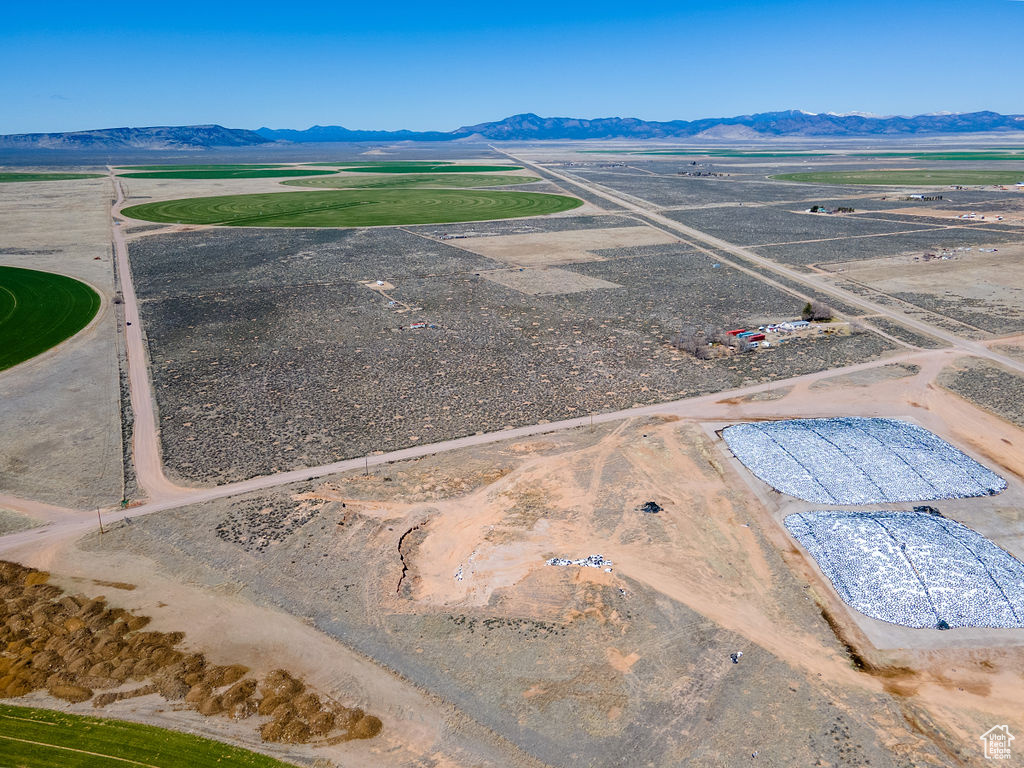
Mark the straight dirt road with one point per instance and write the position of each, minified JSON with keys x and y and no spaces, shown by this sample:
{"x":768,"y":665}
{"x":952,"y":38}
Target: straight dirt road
{"x":715,"y":405}
{"x":146,"y":451}
{"x":164,"y":495}
{"x":814,"y":282}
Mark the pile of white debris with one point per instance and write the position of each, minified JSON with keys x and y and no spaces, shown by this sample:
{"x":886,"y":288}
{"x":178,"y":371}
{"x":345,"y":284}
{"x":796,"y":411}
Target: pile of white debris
{"x":917,"y":569}
{"x":858,"y":461}
{"x":594,"y":561}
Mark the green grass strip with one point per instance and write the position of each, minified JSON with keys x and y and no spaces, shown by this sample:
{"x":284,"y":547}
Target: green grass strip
{"x":245,"y":173}
{"x":439,"y":168}
{"x":41,"y":738}
{"x":11,"y":177}
{"x":352,"y":208}
{"x":38,"y":310}
{"x":391,"y":181}
{"x":414,"y":164}
{"x":943,"y":177}
{"x":201,"y":167}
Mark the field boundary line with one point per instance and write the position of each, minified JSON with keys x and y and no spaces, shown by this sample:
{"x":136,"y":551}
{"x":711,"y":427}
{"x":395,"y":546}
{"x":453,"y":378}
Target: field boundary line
{"x":965,"y":346}
{"x":80,"y":751}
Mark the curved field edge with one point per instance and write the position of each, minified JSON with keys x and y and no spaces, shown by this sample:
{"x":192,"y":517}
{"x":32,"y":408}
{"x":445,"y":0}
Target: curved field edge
{"x":201,"y":167}
{"x":904,"y":177}
{"x":13,"y":177}
{"x":39,"y":310}
{"x":352,"y":208}
{"x":245,"y":173}
{"x":439,"y":168}
{"x":385,"y":181}
{"x":42,"y":738}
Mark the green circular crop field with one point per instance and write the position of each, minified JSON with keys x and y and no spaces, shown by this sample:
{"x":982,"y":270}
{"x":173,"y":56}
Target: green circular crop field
{"x":352,"y":208}
{"x":38,"y":310}
{"x":935,"y":178}
{"x":386,"y":181}
{"x":200,"y":167}
{"x":225,"y":173}
{"x":440,"y":168}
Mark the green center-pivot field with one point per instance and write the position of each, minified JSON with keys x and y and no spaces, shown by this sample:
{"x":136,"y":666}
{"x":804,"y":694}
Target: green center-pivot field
{"x":385,"y":181}
{"x":224,"y":173}
{"x":10,"y":177}
{"x":352,"y":208}
{"x":38,"y":310}
{"x":200,"y":167}
{"x":420,"y":164}
{"x":39,"y":738}
{"x":439,"y":168}
{"x":941,"y":177}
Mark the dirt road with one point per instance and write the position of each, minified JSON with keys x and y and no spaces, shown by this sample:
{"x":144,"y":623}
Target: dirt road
{"x":164,"y":495}
{"x":643,"y":209}
{"x":725,"y":405}
{"x":146,"y":436}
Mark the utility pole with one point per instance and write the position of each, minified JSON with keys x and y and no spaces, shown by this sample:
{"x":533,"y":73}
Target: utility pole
{"x":100,"y":519}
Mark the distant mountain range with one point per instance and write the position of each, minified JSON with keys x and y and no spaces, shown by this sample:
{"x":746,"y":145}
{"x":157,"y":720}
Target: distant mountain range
{"x":529,"y":127}
{"x":765,"y":124}
{"x":161,"y":137}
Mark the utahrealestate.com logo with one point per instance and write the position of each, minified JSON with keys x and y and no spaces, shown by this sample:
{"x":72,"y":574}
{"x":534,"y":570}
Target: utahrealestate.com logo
{"x":997,"y":742}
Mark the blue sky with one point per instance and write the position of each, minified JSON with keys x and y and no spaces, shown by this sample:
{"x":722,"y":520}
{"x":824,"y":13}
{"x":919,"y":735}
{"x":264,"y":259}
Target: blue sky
{"x":422,"y":66}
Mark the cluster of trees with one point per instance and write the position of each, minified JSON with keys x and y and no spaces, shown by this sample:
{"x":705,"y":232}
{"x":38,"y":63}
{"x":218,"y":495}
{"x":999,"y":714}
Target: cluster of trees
{"x":817,"y":311}
{"x":702,"y":342}
{"x":823,"y":209}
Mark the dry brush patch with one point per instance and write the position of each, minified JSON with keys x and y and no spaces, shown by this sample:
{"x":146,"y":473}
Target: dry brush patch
{"x":269,"y":354}
{"x":78,"y":648}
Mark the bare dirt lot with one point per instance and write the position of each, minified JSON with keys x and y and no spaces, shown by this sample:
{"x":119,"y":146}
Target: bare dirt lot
{"x":973,"y":285}
{"x":551,"y":248}
{"x":60,"y":422}
{"x":435,"y":568}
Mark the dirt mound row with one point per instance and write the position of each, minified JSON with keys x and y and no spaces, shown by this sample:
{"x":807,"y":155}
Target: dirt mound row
{"x":73,"y":646}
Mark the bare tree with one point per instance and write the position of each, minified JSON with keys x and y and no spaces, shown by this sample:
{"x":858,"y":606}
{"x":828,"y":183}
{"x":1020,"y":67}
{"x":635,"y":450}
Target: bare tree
{"x":817,"y":311}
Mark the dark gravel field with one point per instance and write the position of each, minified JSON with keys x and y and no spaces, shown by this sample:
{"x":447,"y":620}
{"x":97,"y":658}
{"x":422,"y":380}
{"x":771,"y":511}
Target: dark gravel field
{"x":755,"y":225}
{"x":997,"y":318}
{"x":670,"y":191}
{"x":925,"y":241}
{"x":268,"y":354}
{"x":886,"y":325}
{"x":985,"y":384}
{"x":525,"y":226}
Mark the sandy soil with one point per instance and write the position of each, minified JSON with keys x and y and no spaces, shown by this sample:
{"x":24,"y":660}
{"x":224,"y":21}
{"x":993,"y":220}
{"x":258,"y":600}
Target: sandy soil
{"x":964,"y":282}
{"x":551,"y":248}
{"x":981,"y":214}
{"x":476,"y":547}
{"x":546,"y":281}
{"x":60,"y":413}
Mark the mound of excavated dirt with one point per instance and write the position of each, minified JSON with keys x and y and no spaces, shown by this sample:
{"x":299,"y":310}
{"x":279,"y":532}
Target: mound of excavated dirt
{"x":73,"y":645}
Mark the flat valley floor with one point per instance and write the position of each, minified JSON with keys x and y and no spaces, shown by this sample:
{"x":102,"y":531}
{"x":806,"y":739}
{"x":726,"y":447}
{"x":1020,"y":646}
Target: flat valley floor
{"x":540,"y":405}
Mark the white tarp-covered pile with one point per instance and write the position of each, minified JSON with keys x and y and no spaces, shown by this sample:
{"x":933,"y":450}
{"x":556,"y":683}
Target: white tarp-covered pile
{"x":593,"y":561}
{"x":858,"y":461}
{"x":914,"y":568}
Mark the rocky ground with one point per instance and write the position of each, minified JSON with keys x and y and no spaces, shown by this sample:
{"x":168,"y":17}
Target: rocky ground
{"x":988,"y":385}
{"x":269,"y":353}
{"x":435,"y":568}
